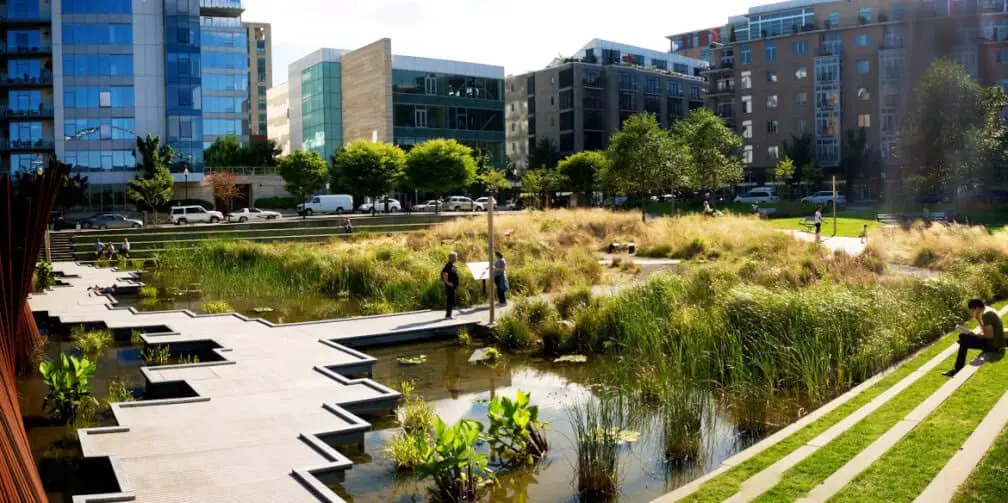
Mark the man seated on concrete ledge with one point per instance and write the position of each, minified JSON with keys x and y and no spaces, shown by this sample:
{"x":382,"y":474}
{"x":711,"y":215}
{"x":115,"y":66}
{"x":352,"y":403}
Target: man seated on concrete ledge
{"x":989,"y":336}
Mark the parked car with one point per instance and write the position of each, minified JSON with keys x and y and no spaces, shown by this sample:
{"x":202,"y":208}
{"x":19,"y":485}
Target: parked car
{"x":246,"y":214}
{"x":193,"y":214}
{"x":393,"y":205}
{"x":758,"y":196}
{"x":110,"y":221}
{"x":432,"y":206}
{"x":326,"y":203}
{"x":824,"y":197}
{"x":462,"y":203}
{"x":483,"y":201}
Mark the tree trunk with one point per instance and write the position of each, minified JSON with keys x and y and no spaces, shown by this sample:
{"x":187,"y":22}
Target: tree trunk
{"x":643,"y":209}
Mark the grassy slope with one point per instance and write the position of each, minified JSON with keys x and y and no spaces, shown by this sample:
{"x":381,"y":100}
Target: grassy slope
{"x":989,"y":481}
{"x":903,"y":472}
{"x":846,"y":226}
{"x":728,"y":483}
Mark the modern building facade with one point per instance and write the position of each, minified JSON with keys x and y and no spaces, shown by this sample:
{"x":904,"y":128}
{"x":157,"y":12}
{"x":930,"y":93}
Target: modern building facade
{"x":278,"y":117}
{"x":578,"y":102}
{"x":697,"y":44}
{"x":339,"y":96}
{"x":260,"y":62}
{"x":826,"y":67}
{"x":84,"y":78}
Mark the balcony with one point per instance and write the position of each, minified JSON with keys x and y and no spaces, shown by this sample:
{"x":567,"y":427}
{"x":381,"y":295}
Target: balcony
{"x":27,"y":145}
{"x":721,"y":92}
{"x":221,"y":8}
{"x":42,"y":112}
{"x":43,"y":80}
{"x":888,"y":45}
{"x":42,"y":17}
{"x":25,"y":50}
{"x":725,"y":66}
{"x":830,"y":50}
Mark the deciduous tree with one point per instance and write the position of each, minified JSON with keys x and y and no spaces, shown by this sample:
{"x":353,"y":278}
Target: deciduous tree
{"x":580,"y":170}
{"x":225,"y":151}
{"x":715,"y":149}
{"x":440,"y":165}
{"x":223,"y":185}
{"x":374,"y":169}
{"x":153,"y":154}
{"x":304,"y":173}
{"x":644,"y":160}
{"x":73,"y":192}
{"x":152,"y":190}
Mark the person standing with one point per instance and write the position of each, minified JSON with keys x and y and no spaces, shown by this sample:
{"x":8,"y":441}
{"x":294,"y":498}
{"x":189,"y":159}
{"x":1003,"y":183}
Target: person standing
{"x":500,"y":278}
{"x":818,"y":224}
{"x":988,"y":337}
{"x":450,"y":278}
{"x":124,"y":249}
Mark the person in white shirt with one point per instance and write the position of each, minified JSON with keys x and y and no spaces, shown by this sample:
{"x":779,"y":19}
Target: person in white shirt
{"x":818,"y":224}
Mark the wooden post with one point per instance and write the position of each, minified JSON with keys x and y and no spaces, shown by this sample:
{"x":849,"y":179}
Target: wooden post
{"x":834,"y":206}
{"x":490,"y":239}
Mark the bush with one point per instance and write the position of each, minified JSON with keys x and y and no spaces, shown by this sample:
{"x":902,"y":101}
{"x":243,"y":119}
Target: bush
{"x":277,"y":203}
{"x":513,"y":332}
{"x":569,"y":303}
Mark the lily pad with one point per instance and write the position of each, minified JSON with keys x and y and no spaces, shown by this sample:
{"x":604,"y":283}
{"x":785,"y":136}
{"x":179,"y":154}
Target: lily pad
{"x":571,"y":359}
{"x":412,"y":360}
{"x":485,"y":355}
{"x":262,"y":309}
{"x":621,"y":436}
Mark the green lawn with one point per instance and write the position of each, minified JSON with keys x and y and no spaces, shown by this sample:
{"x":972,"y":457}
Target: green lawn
{"x":902,"y":473}
{"x":989,"y":481}
{"x":846,"y":226}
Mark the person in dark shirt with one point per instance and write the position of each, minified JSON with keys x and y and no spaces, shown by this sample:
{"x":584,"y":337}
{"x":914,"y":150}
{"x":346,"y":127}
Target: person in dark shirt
{"x":989,"y":337}
{"x":450,"y":278}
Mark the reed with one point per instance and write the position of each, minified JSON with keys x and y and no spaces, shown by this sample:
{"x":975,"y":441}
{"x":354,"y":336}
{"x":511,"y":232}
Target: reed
{"x":597,"y":424}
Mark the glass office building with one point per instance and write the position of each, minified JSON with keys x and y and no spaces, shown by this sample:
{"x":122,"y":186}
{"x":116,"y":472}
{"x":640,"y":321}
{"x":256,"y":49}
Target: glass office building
{"x":83,"y":78}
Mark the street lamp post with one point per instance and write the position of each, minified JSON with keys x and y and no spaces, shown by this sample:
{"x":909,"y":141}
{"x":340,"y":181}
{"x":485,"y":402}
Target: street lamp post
{"x":186,"y":173}
{"x":490,"y":234}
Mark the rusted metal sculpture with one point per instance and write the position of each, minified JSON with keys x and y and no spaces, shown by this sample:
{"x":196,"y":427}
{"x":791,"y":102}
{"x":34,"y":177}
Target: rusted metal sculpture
{"x":26,"y":201}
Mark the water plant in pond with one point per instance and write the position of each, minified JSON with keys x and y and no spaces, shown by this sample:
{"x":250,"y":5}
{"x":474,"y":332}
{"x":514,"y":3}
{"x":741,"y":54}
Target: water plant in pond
{"x":412,"y":360}
{"x":459,"y":471}
{"x":157,"y":355}
{"x":218,"y":307}
{"x":260,"y":310}
{"x":187,"y":359}
{"x":136,"y":338}
{"x":571,"y":359}
{"x":407,"y":450}
{"x":414,"y":414}
{"x":464,"y":339}
{"x":44,"y":278}
{"x":118,"y":391}
{"x":597,"y":425}
{"x":486,"y":356}
{"x":515,"y":434}
{"x":512,"y":332}
{"x":147,"y":292}
{"x":92,"y":343}
{"x":69,"y":385}
{"x":683,"y":411}
{"x":569,"y":303}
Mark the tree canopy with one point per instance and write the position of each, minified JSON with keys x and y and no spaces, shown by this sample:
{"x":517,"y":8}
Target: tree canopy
{"x":714,"y":148}
{"x":545,"y":154}
{"x":152,"y":190}
{"x":580,"y":170}
{"x":440,"y":165}
{"x":372,"y":168}
{"x":73,"y":192}
{"x":223,"y":185}
{"x":228,"y":151}
{"x":304,"y":173}
{"x":644,"y":160}
{"x":153,"y":154}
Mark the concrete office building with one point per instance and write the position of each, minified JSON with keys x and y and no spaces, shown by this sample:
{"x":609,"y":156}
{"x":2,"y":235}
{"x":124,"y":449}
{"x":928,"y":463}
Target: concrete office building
{"x":825,"y":67}
{"x":337,"y":96}
{"x":260,"y":52}
{"x":579,"y":101}
{"x":84,"y":78}
{"x":278,"y":117}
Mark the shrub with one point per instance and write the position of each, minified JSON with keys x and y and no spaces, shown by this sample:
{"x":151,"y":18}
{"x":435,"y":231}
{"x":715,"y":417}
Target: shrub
{"x":44,"y":278}
{"x":537,"y":313}
{"x":513,"y":332}
{"x":277,"y":203}
{"x":69,"y":385}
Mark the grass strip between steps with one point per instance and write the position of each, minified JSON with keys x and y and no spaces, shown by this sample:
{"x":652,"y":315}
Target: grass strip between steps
{"x":728,"y":483}
{"x":905,"y":471}
{"x":989,"y":480}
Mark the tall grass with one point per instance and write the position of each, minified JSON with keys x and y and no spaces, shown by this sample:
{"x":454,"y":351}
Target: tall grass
{"x":597,"y":424}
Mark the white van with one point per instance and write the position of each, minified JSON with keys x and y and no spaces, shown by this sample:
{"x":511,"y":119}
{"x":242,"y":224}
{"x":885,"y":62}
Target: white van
{"x":326,"y":203}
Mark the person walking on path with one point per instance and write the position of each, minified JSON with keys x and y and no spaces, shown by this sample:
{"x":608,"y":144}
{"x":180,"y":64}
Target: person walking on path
{"x":988,"y":337}
{"x":124,"y":249}
{"x":450,"y":278}
{"x":818,"y":224}
{"x":500,"y":278}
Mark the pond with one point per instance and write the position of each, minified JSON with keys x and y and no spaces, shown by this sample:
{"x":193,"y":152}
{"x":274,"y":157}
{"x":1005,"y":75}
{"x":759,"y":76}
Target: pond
{"x":456,"y":389}
{"x":278,"y":310}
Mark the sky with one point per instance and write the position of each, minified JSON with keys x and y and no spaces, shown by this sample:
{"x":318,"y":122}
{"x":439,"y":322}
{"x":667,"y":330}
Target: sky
{"x":520,"y":35}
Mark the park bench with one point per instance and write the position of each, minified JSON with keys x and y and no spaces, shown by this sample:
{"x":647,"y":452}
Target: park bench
{"x":808,"y":223}
{"x":630,"y":248}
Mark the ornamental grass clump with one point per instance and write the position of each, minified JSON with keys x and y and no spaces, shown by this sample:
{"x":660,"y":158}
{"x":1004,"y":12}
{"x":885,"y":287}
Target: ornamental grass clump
{"x":597,"y":424}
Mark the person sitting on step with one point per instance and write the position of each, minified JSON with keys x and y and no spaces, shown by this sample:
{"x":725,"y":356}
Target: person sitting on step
{"x":989,"y":336}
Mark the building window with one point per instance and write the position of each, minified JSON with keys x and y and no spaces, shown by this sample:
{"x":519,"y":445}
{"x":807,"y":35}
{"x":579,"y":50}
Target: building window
{"x":862,"y":40}
{"x":1003,"y":56}
{"x":430,"y":84}
{"x":863,"y":66}
{"x":771,"y":51}
{"x":652,"y":85}
{"x":746,"y":80}
{"x":747,"y":154}
{"x":834,"y":19}
{"x":801,"y":98}
{"x":801,"y":126}
{"x":420,"y":117}
{"x":745,"y":54}
{"x":773,"y":152}
{"x":627,"y":80}
{"x":747,"y":104}
{"x":771,"y":76}
{"x":800,"y":47}
{"x":864,"y":120}
{"x":747,"y":129}
{"x":105,"y":99}
{"x":771,"y":101}
{"x":863,"y":94}
{"x":772,"y":126}
{"x":864,"y":15}
{"x":801,"y":73}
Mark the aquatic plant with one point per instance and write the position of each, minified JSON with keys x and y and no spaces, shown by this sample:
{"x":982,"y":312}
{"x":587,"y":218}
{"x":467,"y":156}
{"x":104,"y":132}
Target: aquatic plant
{"x":464,"y":339}
{"x":597,"y":424}
{"x":512,"y":332}
{"x":415,"y":415}
{"x":188,"y":359}
{"x":683,"y":411}
{"x":515,"y":433}
{"x":157,"y":355}
{"x":118,"y":391}
{"x":44,"y":278}
{"x":136,"y":338}
{"x":92,"y":343}
{"x":452,"y":461}
{"x":569,"y":303}
{"x":217,"y":307}
{"x":412,"y":360}
{"x":69,"y":384}
{"x":147,"y":292}
{"x":407,"y":450}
